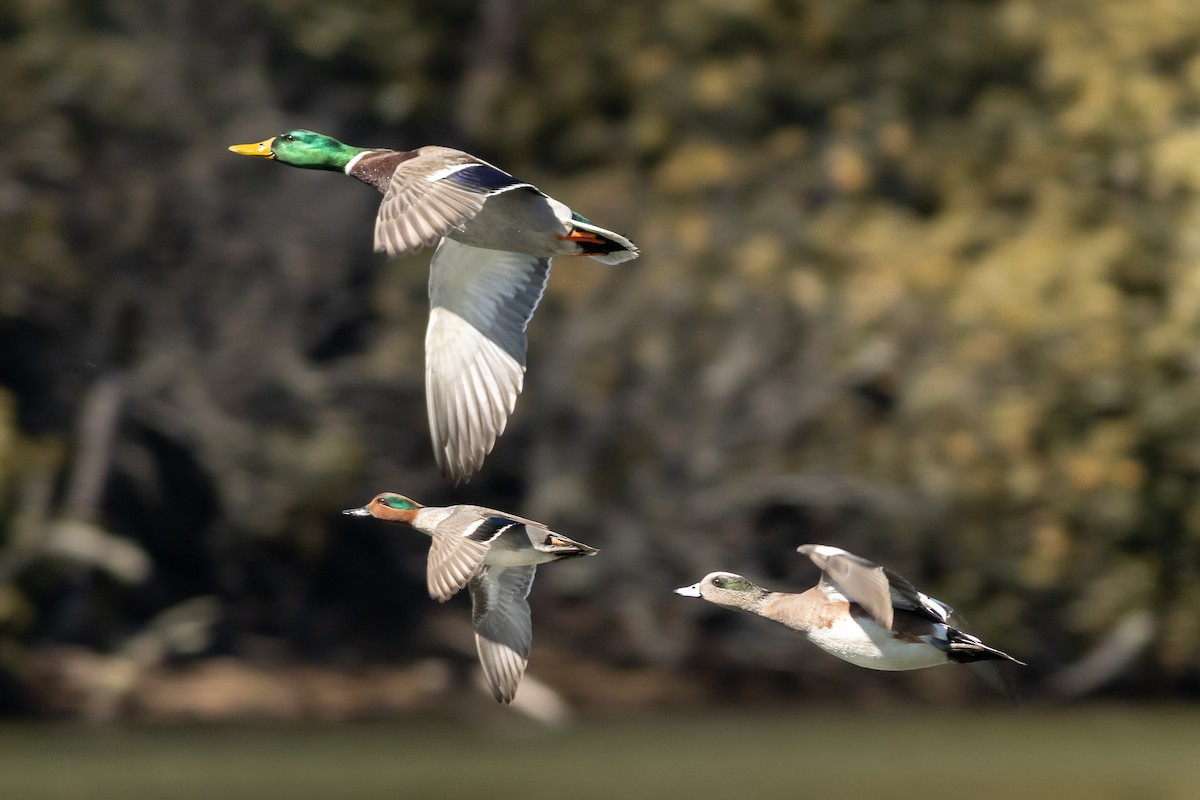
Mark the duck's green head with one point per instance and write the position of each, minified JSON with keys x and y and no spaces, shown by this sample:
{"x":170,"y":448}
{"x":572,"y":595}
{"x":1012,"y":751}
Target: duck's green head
{"x":302,"y":148}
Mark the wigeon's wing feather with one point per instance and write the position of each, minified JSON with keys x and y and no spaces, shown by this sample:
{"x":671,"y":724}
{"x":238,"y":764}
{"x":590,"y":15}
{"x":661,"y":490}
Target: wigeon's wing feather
{"x":433,"y":193}
{"x":908,"y":597}
{"x":503,"y":628}
{"x":855,"y":578}
{"x":475,"y":347}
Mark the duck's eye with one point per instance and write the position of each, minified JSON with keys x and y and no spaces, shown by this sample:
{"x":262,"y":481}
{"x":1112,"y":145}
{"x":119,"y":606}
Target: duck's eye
{"x":287,"y":137}
{"x":719,"y":583}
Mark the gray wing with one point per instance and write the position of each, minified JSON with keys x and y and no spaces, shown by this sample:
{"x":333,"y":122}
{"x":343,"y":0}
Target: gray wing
{"x":503,"y":628}
{"x":438,"y":190}
{"x":908,"y":597}
{"x":482,"y":300}
{"x":455,"y":556}
{"x":857,"y":579}
{"x":461,"y":542}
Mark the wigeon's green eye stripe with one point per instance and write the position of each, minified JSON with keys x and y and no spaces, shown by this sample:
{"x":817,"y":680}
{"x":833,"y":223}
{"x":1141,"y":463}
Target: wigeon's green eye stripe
{"x":734,"y":583}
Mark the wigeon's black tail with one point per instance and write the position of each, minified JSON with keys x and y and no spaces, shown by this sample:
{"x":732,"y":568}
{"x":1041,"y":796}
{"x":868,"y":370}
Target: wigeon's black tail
{"x":600,"y":243}
{"x":963,"y":648}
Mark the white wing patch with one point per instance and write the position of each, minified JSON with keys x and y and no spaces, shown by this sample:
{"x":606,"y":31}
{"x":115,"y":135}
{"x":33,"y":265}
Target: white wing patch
{"x":471,"y":387}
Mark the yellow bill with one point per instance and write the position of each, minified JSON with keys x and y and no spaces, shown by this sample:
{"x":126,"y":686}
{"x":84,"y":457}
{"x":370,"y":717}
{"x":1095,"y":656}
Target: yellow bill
{"x":262,"y":148}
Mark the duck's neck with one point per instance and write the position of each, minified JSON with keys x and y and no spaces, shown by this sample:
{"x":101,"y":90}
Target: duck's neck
{"x":376,"y":167}
{"x":752,"y":601}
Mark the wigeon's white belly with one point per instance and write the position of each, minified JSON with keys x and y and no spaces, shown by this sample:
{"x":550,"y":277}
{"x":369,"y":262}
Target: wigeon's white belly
{"x":865,"y":644}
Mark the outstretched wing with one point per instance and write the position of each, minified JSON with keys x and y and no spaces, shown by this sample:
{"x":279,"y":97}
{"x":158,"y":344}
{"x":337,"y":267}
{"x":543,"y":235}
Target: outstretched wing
{"x":908,"y":597}
{"x":855,"y":578}
{"x":460,"y":545}
{"x":431,"y":194}
{"x":503,"y":628}
{"x":475,"y":347}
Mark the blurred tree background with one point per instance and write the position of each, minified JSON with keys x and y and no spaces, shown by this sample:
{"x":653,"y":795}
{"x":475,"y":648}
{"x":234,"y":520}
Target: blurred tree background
{"x":919,"y":279}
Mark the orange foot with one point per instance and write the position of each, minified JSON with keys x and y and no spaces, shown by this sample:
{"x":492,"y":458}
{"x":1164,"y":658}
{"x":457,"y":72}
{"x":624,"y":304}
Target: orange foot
{"x":582,"y":236}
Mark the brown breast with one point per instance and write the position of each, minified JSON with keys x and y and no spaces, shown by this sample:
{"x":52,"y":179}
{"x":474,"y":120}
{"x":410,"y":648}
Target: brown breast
{"x":376,"y":167}
{"x":807,"y":611}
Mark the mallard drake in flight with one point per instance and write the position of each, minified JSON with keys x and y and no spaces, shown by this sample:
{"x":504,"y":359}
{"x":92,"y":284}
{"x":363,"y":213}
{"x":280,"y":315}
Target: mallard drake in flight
{"x":494,"y":555}
{"x":859,"y":612}
{"x":495,"y":236}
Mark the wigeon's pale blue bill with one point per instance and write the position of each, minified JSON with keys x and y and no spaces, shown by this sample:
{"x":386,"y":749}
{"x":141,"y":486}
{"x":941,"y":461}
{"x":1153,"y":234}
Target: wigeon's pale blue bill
{"x":689,"y":591}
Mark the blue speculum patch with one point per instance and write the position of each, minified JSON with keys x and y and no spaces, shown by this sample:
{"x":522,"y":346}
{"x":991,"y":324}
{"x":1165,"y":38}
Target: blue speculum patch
{"x":483,"y":178}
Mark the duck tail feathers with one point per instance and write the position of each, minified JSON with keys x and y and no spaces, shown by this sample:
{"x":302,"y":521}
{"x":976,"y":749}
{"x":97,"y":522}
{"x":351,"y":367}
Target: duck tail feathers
{"x":613,"y":247}
{"x":964,"y":648}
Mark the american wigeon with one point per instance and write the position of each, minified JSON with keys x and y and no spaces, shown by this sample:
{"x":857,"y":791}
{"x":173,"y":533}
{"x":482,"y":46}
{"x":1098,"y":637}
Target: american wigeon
{"x":859,"y":612}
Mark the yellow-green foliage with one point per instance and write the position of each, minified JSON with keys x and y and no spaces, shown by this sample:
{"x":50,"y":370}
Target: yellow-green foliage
{"x":920,"y":279}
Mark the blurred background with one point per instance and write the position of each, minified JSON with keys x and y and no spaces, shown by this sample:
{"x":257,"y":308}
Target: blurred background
{"x":919,"y":279}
